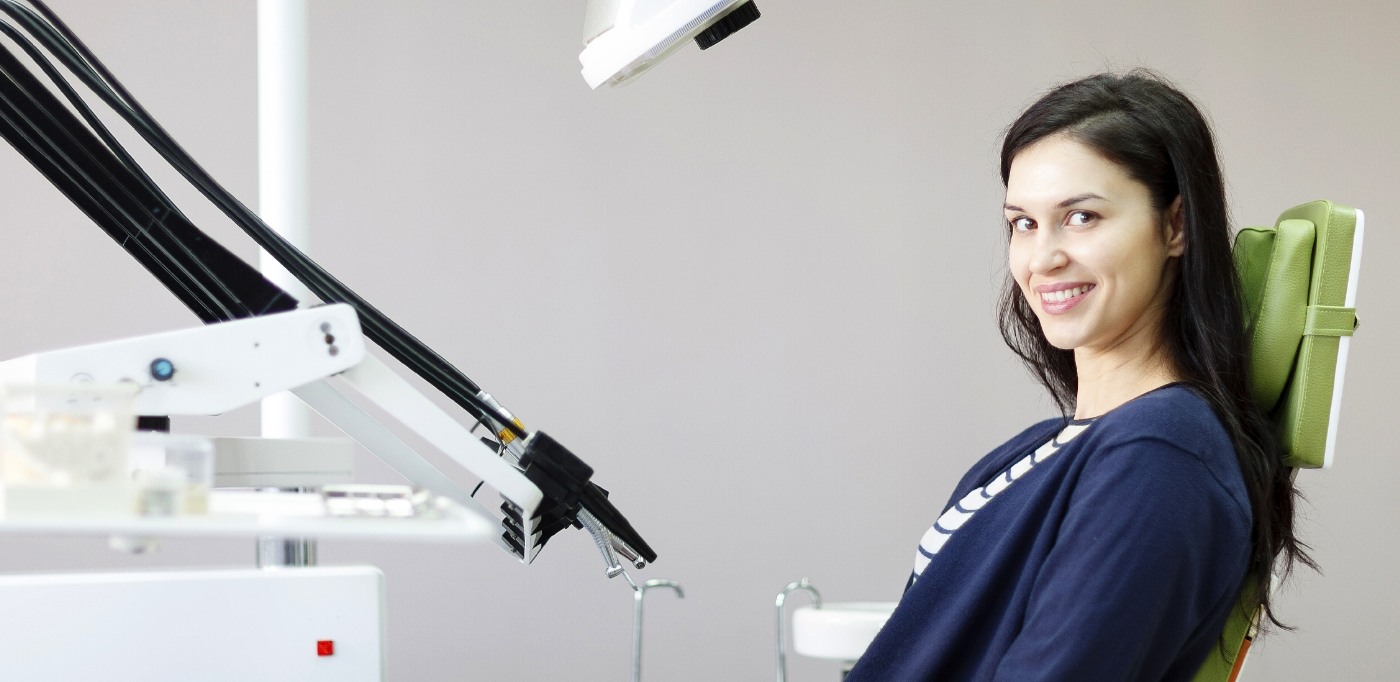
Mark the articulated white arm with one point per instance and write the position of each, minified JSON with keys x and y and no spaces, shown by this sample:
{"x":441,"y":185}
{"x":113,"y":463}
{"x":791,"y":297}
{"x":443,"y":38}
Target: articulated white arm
{"x":218,"y":367}
{"x":209,"y":369}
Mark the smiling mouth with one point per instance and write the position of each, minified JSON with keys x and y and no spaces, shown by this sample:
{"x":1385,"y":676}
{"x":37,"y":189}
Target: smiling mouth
{"x":1061,"y":301}
{"x":1064,"y":295}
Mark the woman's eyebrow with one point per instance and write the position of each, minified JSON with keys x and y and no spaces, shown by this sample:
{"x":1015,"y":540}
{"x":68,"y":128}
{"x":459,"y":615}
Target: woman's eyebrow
{"x":1077,"y":199}
{"x":1063,"y":204}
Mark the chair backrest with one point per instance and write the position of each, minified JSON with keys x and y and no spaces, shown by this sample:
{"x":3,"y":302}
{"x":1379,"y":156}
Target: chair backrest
{"x":1299,"y":285}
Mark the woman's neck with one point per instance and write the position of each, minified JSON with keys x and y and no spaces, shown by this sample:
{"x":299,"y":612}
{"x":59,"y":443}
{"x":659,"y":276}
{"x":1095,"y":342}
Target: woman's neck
{"x":1109,"y":380}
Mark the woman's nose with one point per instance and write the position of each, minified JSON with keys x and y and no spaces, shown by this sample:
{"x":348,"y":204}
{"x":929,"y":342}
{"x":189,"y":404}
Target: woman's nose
{"x":1048,"y":254}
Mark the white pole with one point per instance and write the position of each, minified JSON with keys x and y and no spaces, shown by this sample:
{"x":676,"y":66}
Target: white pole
{"x":282,"y":169}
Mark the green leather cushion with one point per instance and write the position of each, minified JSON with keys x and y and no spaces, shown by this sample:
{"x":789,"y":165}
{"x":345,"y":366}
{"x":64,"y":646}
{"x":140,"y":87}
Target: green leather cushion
{"x":1294,"y":277}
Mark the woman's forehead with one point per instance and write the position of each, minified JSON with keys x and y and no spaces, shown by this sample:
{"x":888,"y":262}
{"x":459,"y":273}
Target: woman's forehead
{"x":1059,"y":168}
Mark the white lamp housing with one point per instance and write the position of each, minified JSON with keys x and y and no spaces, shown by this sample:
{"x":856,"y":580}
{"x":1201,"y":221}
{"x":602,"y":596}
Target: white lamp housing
{"x":624,"y":38}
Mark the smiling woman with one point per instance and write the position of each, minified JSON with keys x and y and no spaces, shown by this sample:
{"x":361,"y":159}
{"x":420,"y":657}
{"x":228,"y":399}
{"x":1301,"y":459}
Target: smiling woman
{"x":1095,"y":260}
{"x":1111,"y":544}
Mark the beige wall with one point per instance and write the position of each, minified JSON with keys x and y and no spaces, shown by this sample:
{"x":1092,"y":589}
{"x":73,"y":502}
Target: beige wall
{"x":753,"y":289}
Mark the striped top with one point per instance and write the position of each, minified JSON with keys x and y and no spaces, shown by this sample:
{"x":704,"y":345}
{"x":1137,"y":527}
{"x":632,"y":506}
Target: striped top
{"x":1119,"y":559}
{"x":960,"y":513}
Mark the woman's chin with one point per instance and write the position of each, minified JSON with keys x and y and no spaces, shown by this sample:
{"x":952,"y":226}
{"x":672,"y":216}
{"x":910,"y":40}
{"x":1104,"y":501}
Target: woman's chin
{"x":1061,"y":341}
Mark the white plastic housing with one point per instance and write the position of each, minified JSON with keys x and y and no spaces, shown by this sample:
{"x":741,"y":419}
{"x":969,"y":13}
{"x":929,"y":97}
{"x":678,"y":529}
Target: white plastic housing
{"x":408,"y":406}
{"x":288,"y":624}
{"x":217,"y":367}
{"x":838,"y":632}
{"x":282,"y":462}
{"x":640,"y":34}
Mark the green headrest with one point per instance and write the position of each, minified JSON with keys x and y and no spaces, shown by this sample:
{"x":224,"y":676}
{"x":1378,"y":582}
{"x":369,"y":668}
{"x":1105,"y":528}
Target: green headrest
{"x":1295,"y":278}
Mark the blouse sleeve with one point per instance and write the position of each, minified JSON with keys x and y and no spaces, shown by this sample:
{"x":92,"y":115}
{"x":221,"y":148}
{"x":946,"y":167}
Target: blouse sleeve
{"x":1150,"y":547}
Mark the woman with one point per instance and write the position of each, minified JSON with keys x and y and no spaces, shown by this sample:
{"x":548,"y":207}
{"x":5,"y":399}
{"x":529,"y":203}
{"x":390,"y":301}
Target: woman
{"x":1113,"y":545}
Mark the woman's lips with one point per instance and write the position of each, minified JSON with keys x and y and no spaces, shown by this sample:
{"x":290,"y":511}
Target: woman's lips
{"x":1059,"y":299}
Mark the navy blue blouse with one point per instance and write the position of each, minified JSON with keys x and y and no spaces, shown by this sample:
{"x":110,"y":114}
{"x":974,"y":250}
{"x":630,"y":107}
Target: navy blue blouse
{"x":1118,"y":559}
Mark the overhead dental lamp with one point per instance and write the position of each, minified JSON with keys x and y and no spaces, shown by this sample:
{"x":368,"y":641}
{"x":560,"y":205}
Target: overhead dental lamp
{"x":624,"y":38}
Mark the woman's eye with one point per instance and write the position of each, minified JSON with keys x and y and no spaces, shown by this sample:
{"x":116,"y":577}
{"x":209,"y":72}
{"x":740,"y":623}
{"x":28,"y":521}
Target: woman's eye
{"x":1080,"y":218}
{"x":1022,"y":224}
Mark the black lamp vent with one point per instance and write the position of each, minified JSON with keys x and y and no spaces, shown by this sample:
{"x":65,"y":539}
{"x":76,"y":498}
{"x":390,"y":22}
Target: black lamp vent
{"x":742,"y":15}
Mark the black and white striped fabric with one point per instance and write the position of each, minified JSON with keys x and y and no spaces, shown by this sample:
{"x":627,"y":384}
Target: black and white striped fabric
{"x":960,"y":513}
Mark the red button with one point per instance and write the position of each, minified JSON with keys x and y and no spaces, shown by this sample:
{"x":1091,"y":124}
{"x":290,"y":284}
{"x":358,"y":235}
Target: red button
{"x":325,"y":647}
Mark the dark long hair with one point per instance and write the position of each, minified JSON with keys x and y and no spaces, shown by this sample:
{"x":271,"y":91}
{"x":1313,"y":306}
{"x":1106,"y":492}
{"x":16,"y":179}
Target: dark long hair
{"x":1154,"y":132}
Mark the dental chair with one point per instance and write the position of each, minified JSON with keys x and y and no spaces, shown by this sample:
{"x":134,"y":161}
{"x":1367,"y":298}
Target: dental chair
{"x":1298,"y":281}
{"x":1299,"y":284}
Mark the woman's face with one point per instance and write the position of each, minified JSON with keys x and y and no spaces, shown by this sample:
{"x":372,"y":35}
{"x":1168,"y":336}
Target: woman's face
{"x":1088,"y":250}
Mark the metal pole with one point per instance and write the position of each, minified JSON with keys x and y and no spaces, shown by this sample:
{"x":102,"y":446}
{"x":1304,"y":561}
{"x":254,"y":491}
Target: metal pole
{"x":638,"y":595}
{"x":282,"y":190}
{"x":274,"y":552}
{"x":778,"y":605}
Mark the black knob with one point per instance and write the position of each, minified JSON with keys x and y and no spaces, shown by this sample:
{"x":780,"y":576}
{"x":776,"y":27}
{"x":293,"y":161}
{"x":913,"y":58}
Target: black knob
{"x":742,"y":15}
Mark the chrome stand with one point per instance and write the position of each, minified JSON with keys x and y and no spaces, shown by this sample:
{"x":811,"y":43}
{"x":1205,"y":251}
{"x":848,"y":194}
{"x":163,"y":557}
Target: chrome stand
{"x":274,"y":552}
{"x":277,"y":552}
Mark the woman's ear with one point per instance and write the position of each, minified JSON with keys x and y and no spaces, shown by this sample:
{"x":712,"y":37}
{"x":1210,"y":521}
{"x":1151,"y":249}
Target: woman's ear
{"x":1175,"y":226}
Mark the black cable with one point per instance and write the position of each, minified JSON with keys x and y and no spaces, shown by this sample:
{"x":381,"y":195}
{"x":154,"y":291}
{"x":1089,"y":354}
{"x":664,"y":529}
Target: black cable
{"x":416,"y":355}
{"x":158,"y":213}
{"x":37,"y":26}
{"x":53,"y":140}
{"x":141,"y":217}
{"x":90,"y":166}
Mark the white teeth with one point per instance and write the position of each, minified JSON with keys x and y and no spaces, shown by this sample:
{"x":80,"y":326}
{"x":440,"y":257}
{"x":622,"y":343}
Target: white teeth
{"x":1063,"y":294}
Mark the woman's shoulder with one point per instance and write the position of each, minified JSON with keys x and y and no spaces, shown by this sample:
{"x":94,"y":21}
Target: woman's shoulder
{"x":1171,"y":432}
{"x":1039,"y":431}
{"x":1173,"y":413}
